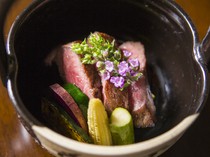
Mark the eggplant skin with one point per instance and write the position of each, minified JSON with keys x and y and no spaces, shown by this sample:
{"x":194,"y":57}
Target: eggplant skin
{"x":61,"y":122}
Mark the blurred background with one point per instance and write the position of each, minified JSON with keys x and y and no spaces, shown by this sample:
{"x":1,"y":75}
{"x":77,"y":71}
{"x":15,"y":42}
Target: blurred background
{"x":16,"y":142}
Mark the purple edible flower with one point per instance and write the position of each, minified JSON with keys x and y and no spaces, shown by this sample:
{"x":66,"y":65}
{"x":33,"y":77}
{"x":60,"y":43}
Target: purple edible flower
{"x":109,"y":66}
{"x":113,"y":79}
{"x":106,"y":75}
{"x":134,"y":62}
{"x":123,"y":68}
{"x":126,"y":53}
{"x":117,"y":81}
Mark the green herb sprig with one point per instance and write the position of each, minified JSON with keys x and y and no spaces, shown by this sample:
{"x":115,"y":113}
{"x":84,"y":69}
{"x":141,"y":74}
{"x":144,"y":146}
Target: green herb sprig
{"x":96,"y":49}
{"x":112,"y":63}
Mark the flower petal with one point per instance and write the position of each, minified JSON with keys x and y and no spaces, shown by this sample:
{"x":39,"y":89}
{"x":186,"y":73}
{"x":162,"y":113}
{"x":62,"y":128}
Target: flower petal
{"x":123,"y":68}
{"x":134,"y":62}
{"x":109,"y":66}
{"x":126,"y":53}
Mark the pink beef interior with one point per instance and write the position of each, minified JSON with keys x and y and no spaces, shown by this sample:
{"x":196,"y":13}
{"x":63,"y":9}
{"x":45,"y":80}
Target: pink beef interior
{"x":83,"y":76}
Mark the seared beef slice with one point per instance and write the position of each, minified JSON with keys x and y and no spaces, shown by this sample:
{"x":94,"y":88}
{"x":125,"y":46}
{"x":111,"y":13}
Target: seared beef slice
{"x":140,"y":98}
{"x":84,"y":76}
{"x":113,"y":97}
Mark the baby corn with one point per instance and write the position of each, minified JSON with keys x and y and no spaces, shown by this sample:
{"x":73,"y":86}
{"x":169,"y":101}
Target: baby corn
{"x":98,"y":123}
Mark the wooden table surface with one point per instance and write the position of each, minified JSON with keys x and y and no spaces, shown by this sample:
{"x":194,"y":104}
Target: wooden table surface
{"x":16,"y":142}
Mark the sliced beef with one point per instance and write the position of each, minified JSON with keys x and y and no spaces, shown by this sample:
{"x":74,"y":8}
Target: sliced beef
{"x":112,"y":96}
{"x":141,"y":104}
{"x":140,"y":98}
{"x":73,"y":71}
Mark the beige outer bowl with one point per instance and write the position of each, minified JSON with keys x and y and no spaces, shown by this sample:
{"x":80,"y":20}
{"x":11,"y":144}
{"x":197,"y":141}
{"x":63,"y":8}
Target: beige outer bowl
{"x":61,"y":146}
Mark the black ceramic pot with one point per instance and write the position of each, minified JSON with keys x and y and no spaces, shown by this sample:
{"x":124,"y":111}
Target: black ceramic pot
{"x":177,"y":65}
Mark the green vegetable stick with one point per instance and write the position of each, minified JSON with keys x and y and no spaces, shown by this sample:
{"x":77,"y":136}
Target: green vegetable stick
{"x":79,"y":97}
{"x":121,"y":127}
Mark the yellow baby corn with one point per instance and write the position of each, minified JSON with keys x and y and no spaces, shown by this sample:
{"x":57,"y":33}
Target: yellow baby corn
{"x":98,"y":123}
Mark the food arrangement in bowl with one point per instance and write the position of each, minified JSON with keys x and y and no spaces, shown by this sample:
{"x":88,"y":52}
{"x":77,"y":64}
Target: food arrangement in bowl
{"x":110,"y":75}
{"x":144,"y":75}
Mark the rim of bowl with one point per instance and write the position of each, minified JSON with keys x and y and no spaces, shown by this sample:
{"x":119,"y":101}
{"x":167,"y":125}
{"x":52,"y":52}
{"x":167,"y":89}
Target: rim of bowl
{"x":158,"y":143}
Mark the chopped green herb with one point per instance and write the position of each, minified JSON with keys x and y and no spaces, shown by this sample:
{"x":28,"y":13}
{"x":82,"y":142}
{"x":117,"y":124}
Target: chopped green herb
{"x":112,"y":63}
